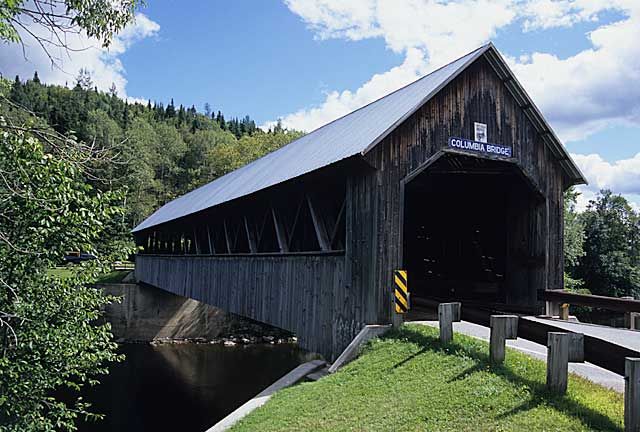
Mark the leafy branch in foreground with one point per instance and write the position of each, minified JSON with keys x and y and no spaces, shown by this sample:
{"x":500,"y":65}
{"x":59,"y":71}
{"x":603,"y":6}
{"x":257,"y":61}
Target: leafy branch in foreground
{"x":50,"y":341}
{"x":52,"y":23}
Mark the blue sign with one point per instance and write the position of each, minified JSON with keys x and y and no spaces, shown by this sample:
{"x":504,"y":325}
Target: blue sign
{"x":480,"y":147}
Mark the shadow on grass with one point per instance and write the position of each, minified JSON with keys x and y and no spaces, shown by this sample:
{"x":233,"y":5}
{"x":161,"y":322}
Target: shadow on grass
{"x":539,"y":394}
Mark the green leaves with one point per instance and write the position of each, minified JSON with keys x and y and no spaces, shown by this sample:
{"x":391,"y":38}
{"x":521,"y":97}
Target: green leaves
{"x":50,"y":338}
{"x":611,"y":264}
{"x":99,"y":19}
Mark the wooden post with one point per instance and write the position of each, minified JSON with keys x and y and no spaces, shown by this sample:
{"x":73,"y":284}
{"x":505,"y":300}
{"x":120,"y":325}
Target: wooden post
{"x":396,"y":319}
{"x":318,"y":225}
{"x":631,"y":319}
{"x":576,"y":347}
{"x":447,"y":314}
{"x":212,"y":250}
{"x":281,"y":233}
{"x":253,"y":248}
{"x":557,"y":361}
{"x":552,"y":308}
{"x":632,"y":394}
{"x":503,"y":327}
{"x":195,"y":241}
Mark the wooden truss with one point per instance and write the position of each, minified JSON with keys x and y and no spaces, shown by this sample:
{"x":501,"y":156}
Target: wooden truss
{"x":316,"y":222}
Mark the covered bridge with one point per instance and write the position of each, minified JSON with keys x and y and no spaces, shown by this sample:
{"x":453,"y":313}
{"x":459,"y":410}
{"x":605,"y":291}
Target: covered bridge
{"x":456,"y":178}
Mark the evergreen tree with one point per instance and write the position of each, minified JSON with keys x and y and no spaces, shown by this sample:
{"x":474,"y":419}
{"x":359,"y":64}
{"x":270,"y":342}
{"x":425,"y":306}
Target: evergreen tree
{"x":83,"y":79}
{"x":181,"y":115}
{"x":170,"y":112}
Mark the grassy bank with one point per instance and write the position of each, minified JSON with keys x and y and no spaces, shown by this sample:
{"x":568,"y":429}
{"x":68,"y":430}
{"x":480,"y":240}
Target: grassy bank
{"x":114,"y":276}
{"x":408,"y":381}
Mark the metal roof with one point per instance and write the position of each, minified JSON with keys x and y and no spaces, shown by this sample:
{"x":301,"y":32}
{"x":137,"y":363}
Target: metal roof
{"x":355,"y":133}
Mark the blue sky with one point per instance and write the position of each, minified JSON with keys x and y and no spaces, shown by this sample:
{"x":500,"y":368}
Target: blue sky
{"x":310,"y":61}
{"x":253,"y":58}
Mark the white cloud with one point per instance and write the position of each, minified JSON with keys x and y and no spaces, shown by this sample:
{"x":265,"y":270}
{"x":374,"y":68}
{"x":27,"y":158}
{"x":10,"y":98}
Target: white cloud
{"x":622,"y":177}
{"x":428,"y":32}
{"x":594,"y":89}
{"x":104,"y":65}
{"x":579,"y":95}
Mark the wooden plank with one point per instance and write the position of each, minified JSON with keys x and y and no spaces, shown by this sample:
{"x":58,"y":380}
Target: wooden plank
{"x":251,"y":238}
{"x":281,"y":233}
{"x":212,"y":249}
{"x":318,"y":224}
{"x":195,"y":241}
{"x":227,"y":237}
{"x":337,"y":223}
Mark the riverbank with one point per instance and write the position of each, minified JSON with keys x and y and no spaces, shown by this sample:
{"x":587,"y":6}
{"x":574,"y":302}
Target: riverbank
{"x":409,"y":381}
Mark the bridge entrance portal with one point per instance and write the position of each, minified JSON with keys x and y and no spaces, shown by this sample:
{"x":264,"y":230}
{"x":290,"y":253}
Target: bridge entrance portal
{"x":465,"y":232}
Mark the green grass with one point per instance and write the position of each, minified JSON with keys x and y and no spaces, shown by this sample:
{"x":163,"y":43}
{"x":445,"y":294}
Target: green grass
{"x":115,"y":276}
{"x":61,"y":272}
{"x":408,"y":381}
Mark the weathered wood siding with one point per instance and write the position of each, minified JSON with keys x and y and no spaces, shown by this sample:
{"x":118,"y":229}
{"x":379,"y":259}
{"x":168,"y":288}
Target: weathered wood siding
{"x":326,"y":299}
{"x":374,"y":218}
{"x":296,"y":293}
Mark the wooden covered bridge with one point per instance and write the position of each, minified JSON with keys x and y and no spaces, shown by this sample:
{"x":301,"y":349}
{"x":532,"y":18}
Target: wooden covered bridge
{"x":456,"y":178}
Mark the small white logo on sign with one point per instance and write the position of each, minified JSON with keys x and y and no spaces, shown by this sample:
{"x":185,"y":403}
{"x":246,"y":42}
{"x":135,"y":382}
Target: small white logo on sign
{"x":480,"y":132}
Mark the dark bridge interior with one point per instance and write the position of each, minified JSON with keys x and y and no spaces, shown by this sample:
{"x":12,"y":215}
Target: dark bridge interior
{"x":461,"y":223}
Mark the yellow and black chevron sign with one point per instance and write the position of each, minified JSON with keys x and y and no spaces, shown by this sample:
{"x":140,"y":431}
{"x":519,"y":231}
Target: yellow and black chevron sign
{"x":401,"y":291}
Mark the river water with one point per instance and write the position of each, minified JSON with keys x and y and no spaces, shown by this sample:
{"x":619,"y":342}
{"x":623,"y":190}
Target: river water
{"x":185,"y":387}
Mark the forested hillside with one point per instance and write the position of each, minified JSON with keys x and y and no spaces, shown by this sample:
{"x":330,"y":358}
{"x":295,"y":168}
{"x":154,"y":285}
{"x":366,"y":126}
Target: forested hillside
{"x":157,"y":152}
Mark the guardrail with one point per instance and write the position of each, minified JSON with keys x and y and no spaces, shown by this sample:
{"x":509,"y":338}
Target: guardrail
{"x":558,"y":302}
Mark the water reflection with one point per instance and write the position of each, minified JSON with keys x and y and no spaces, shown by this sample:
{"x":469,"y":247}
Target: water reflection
{"x":185,"y":387}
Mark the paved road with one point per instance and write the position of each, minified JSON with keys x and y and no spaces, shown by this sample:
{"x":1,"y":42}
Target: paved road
{"x":586,"y":370}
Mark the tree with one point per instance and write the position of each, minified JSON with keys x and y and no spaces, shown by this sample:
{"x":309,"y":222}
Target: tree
{"x":138,"y":171}
{"x":171,"y":110}
{"x":83,"y":79}
{"x":611,"y":263}
{"x":48,"y":337}
{"x":573,"y":241}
